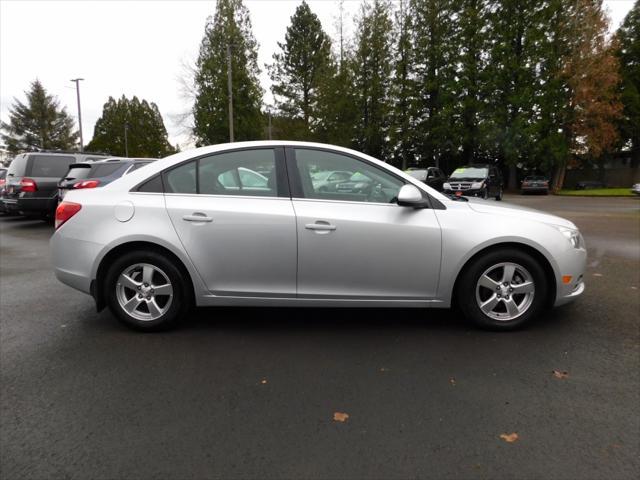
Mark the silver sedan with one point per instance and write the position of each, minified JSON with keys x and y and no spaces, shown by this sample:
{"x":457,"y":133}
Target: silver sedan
{"x":194,"y":229}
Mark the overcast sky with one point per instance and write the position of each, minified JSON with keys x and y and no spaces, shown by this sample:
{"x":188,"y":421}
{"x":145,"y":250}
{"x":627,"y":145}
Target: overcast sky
{"x":135,"y":48}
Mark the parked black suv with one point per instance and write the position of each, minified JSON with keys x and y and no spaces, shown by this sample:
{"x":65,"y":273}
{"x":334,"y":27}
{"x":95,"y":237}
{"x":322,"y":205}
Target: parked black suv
{"x":482,"y":181}
{"x":32,"y":181}
{"x":432,"y":176}
{"x":98,"y":174}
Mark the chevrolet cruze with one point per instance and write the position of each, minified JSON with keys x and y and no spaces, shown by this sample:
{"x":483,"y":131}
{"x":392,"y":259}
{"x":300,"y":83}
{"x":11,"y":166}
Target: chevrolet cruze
{"x":195,"y":229}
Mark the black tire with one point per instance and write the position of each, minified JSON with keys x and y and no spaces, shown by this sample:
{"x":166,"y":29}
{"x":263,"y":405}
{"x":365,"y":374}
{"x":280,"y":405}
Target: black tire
{"x":466,"y":289}
{"x":181,"y":302}
{"x":499,"y":195}
{"x":485,"y":194}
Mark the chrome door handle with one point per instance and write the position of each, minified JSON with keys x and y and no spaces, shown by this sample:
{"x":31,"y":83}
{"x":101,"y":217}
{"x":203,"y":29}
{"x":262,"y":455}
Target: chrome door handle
{"x":320,"y":227}
{"x":197,"y":217}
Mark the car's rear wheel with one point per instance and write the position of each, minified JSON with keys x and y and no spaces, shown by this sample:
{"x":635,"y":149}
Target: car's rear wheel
{"x":147,"y":291}
{"x":502,"y":290}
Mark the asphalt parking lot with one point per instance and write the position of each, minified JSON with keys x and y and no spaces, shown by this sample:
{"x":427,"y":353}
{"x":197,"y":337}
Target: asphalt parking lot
{"x":252,"y":393}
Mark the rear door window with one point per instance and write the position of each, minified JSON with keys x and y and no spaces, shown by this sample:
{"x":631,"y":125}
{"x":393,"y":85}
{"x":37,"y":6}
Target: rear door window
{"x":54,"y":166}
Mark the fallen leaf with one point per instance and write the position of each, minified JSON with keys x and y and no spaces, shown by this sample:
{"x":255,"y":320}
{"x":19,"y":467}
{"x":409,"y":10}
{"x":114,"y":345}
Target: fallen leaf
{"x":561,"y":375}
{"x":340,"y":417}
{"x":509,"y":437}
{"x":597,"y":274}
{"x":452,"y":381}
{"x":263,"y":381}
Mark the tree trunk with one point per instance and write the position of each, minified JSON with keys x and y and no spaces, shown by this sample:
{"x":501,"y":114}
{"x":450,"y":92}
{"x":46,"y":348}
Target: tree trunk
{"x":558,"y":178}
{"x":513,"y":177}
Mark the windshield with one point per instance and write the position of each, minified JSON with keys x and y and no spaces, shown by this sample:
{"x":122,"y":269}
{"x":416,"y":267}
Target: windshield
{"x":469,"y":172}
{"x":536,"y":178}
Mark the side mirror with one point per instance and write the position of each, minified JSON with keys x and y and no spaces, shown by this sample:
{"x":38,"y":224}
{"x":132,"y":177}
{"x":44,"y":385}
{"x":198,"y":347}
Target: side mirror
{"x":411,"y":196}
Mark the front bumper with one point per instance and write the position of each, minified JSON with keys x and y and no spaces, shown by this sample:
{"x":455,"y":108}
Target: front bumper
{"x":572,"y":263}
{"x":471,"y":192}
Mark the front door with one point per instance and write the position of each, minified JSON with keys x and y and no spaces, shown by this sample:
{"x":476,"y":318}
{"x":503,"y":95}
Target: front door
{"x":356,"y":242}
{"x":235,"y":219}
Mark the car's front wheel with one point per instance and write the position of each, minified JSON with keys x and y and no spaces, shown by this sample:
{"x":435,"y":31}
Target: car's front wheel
{"x":502,"y":290}
{"x":145,"y":290}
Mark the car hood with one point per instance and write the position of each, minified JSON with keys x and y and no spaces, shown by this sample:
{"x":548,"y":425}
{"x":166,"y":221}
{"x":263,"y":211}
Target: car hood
{"x":511,"y":210}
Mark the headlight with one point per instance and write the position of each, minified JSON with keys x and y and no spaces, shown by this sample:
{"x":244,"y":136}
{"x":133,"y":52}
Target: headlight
{"x":574,"y":237}
{"x":476,"y":185}
{"x":446,"y":185}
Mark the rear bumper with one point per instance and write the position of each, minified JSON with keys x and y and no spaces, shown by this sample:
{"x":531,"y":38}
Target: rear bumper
{"x":37,"y":205}
{"x":9,"y":206}
{"x":73,"y":260}
{"x":534,"y":189}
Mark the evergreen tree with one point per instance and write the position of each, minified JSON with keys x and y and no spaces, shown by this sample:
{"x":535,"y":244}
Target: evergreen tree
{"x":516,"y":31}
{"x":434,"y":73}
{"x":40,"y":124}
{"x":402,"y":90}
{"x":337,"y":110}
{"x":146,"y":135}
{"x":628,"y":37}
{"x":228,"y":30}
{"x":470,"y":92}
{"x":298,"y":69}
{"x":372,"y":71}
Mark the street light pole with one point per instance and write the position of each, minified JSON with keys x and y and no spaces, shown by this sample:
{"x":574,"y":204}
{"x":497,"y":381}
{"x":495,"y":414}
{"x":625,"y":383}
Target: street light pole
{"x":230,"y":93}
{"x":77,"y":82}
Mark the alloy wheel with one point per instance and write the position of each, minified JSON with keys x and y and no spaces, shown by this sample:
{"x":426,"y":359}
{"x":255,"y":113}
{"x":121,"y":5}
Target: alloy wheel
{"x":144,"y":291}
{"x":505,"y":291}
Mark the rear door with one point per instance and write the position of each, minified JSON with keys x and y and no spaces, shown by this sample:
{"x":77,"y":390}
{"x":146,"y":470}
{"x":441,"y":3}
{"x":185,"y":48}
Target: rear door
{"x":234,"y":216}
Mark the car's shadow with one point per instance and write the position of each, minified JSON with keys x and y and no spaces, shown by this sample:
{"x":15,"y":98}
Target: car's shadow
{"x":342,"y":320}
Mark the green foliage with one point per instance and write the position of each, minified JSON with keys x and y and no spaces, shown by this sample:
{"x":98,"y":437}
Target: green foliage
{"x":372,"y":78}
{"x":628,"y":37}
{"x":433,"y":68}
{"x":230,"y":26}
{"x":298,"y":69}
{"x":146,"y":135}
{"x":40,"y":124}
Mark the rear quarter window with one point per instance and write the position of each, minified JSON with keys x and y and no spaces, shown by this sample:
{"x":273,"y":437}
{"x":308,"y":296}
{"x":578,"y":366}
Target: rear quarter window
{"x":18,"y":166}
{"x":106,"y":169}
{"x":54,"y":166}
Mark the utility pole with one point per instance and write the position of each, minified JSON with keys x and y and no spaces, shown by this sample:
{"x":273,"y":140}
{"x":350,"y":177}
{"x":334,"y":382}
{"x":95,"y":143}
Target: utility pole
{"x":77,"y":82}
{"x":269,"y":111}
{"x":126,"y":143}
{"x":230,"y":89}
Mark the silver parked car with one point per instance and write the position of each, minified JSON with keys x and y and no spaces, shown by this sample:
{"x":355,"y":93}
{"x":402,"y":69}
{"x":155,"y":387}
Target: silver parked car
{"x":186,"y":230}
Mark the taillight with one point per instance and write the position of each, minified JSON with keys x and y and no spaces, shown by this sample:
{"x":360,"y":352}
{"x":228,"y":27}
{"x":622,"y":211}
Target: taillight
{"x":65,"y":211}
{"x":87,"y":184}
{"x":28,"y":185}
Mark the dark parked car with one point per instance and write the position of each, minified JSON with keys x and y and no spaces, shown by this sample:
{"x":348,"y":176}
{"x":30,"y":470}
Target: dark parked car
{"x":535,"y":184}
{"x":32,"y":181}
{"x":3,"y":181}
{"x":482,"y":181}
{"x":98,"y":174}
{"x":588,"y":184}
{"x":432,"y":176}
